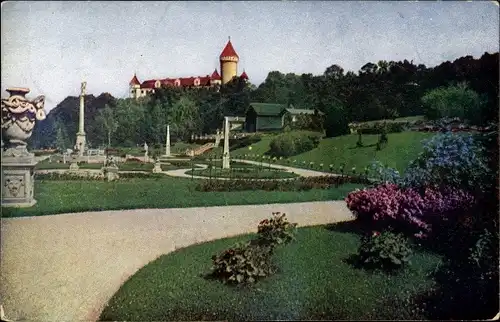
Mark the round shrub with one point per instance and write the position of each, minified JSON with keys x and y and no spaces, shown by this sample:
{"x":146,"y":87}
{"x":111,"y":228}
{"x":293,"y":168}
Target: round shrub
{"x":289,"y":144}
{"x":385,"y":250}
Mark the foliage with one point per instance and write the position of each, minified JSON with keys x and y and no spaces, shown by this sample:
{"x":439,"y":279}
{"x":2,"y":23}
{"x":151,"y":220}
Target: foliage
{"x":70,"y":176}
{"x":453,"y":101}
{"x":448,"y":160}
{"x":106,"y":119}
{"x":293,"y":143}
{"x":408,"y":209}
{"x":276,"y":230}
{"x":245,"y":263}
{"x":385,"y":250}
{"x":382,"y":174}
{"x":242,"y":264}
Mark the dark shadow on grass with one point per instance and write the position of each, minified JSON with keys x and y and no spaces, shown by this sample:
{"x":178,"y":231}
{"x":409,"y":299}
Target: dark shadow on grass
{"x":353,"y":226}
{"x":364,"y":146}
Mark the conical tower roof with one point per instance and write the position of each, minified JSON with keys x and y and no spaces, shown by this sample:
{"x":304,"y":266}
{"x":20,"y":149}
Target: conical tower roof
{"x":229,"y":51}
{"x":134,"y":81}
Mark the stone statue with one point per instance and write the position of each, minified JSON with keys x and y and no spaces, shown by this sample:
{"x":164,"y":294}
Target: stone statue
{"x":19,"y":116}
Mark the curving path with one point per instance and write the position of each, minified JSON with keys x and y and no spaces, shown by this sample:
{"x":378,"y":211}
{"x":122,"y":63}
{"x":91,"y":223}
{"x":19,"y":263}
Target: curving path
{"x":66,"y":267}
{"x":301,"y":172}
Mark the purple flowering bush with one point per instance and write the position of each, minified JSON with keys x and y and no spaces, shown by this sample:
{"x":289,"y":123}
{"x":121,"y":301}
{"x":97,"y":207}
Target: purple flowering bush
{"x":409,"y":209}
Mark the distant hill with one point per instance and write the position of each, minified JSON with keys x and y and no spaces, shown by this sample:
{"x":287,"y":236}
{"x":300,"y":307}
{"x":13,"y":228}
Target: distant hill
{"x":66,"y":114}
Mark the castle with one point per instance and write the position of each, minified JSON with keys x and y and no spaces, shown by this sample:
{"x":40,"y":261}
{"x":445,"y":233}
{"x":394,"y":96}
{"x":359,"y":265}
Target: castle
{"x":228,"y":67}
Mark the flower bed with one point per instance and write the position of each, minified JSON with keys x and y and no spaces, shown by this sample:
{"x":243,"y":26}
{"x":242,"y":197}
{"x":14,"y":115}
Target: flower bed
{"x":300,"y":184}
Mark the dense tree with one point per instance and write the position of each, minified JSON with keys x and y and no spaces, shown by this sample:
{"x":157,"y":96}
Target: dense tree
{"x":106,"y":119}
{"x":386,"y":89}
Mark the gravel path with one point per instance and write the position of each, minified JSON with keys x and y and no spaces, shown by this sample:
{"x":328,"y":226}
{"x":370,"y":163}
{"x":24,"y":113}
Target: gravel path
{"x":66,"y":267}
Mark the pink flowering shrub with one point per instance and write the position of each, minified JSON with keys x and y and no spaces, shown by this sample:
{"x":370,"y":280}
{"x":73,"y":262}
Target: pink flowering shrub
{"x":409,"y":208}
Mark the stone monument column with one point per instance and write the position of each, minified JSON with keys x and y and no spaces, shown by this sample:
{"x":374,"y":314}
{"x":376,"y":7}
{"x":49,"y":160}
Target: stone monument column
{"x":80,"y":136}
{"x":18,"y":165}
{"x":167,"y":144}
{"x":225,"y":158}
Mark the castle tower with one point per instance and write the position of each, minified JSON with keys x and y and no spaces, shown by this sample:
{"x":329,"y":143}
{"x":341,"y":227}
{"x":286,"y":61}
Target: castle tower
{"x":228,"y":63}
{"x":135,"y":87}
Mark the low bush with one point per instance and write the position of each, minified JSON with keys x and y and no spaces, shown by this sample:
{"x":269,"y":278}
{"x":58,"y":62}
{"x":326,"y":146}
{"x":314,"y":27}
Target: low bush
{"x":247,"y":262}
{"x":242,"y":264}
{"x":276,"y":230}
{"x":386,"y":250}
{"x":293,"y":143}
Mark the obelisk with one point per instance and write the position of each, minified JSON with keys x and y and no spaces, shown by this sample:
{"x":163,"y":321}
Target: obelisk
{"x":167,"y":144}
{"x":225,"y":158}
{"x":80,"y":135}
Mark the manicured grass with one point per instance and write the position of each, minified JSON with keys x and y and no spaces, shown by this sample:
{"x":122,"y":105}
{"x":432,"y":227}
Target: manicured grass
{"x":400,"y":150}
{"x":238,"y":173}
{"x":314,"y":282}
{"x":55,"y":197}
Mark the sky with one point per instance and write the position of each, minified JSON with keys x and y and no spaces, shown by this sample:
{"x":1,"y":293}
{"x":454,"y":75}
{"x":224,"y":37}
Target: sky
{"x":51,"y":47}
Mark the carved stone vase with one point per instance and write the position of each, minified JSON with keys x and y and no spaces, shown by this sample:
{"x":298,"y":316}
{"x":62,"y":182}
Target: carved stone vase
{"x":19,"y":116}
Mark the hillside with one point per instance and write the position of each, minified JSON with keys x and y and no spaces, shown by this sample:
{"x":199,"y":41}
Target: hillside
{"x":67,"y":113}
{"x":402,"y":148}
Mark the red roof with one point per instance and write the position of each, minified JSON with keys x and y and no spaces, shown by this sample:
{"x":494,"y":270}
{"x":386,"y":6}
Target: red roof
{"x":134,"y":81}
{"x":215,"y":75}
{"x":184,"y":81}
{"x":229,"y":51}
{"x":148,"y":83}
{"x":244,"y":75}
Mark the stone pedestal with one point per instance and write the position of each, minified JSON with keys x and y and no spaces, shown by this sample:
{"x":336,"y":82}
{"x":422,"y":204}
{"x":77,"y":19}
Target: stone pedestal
{"x":18,"y":178}
{"x":157,"y":168}
{"x":110,"y":173}
{"x":81,"y":143}
{"x":74,"y":166}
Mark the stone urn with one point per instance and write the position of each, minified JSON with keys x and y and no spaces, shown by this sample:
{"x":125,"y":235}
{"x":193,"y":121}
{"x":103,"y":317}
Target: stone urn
{"x":19,"y":116}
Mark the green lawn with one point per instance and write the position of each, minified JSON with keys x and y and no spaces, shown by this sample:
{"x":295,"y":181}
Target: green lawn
{"x":55,"y":197}
{"x":397,"y":120}
{"x":244,"y":173}
{"x":314,"y":282}
{"x":400,"y":150}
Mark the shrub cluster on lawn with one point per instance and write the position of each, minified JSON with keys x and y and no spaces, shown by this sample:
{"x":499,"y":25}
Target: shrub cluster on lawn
{"x":299,"y":184}
{"x":387,"y":250}
{"x":448,"y":202}
{"x":245,"y":263}
{"x":293,"y":143}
